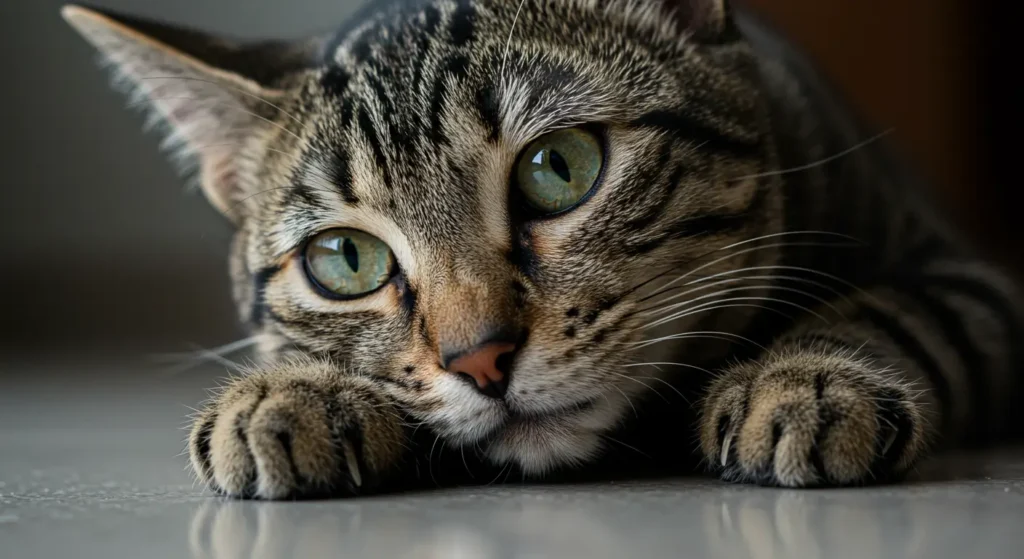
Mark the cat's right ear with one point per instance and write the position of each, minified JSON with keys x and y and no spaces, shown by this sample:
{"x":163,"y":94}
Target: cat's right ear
{"x":214,"y":94}
{"x":706,"y":21}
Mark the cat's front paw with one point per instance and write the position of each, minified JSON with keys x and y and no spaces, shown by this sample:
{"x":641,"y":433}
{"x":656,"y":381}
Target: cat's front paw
{"x":298,"y":430}
{"x":810,"y":419}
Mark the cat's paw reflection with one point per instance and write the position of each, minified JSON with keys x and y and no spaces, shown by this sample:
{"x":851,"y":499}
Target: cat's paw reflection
{"x":812,"y":526}
{"x":252,"y":530}
{"x":241,"y":530}
{"x":480,"y":525}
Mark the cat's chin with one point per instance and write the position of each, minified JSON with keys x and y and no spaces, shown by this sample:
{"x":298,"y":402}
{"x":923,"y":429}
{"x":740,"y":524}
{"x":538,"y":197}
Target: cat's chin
{"x":541,"y":443}
{"x":536,"y":439}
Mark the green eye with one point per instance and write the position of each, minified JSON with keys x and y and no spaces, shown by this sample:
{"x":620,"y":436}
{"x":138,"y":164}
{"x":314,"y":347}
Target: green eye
{"x":348,"y":262}
{"x":558,"y":169}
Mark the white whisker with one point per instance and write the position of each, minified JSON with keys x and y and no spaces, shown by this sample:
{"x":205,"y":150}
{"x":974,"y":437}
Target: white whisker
{"x":508,"y":43}
{"x":657,"y":308}
{"x":663,"y":381}
{"x":225,"y":105}
{"x":712,"y":305}
{"x":667,"y":363}
{"x":628,"y":401}
{"x":641,"y":383}
{"x":690,"y":273}
{"x":819,"y":162}
{"x":686,"y":304}
{"x":225,"y":86}
{"x":713,"y":334}
{"x":192,"y":359}
{"x":633,"y":448}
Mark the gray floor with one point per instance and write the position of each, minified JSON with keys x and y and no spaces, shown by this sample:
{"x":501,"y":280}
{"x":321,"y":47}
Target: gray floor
{"x":88,"y":469}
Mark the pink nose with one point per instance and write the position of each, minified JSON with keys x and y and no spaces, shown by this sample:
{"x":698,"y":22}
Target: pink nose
{"x":488,"y":366}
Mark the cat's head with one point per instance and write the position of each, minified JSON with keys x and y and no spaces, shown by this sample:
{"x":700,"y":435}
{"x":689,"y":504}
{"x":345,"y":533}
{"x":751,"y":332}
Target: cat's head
{"x":488,"y":205}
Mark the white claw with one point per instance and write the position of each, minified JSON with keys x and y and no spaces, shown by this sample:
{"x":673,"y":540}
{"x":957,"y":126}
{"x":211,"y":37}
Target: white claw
{"x":889,"y":441}
{"x":725,"y":449}
{"x":353,"y":463}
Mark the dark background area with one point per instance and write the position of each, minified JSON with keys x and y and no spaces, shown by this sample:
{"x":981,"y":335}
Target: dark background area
{"x":103,"y":250}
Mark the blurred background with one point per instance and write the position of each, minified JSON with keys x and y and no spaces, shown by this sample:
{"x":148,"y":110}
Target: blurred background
{"x":103,"y":251}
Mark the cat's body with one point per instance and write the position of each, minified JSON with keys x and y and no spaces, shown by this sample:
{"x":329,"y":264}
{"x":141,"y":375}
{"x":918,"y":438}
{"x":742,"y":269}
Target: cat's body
{"x":749,"y":279}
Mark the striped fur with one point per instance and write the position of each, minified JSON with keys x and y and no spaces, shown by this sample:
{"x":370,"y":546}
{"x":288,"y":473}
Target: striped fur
{"x":741,"y":271}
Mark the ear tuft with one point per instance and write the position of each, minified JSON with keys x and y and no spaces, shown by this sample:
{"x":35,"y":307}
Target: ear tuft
{"x":707,"y":21}
{"x":215,"y":95}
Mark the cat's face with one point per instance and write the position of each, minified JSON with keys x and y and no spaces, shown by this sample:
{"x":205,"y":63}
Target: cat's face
{"x":439,"y":180}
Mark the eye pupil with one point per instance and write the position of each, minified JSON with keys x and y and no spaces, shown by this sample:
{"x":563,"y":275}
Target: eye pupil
{"x":557,"y":170}
{"x":559,"y":166}
{"x":348,"y":263}
{"x":351,"y":254}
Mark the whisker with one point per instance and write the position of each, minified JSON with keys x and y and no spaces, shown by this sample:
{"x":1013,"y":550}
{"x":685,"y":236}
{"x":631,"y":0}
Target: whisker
{"x":192,"y":359}
{"x":276,"y":188}
{"x":430,"y":460}
{"x":462,"y":451}
{"x":690,"y":273}
{"x":685,"y":261}
{"x":712,"y":305}
{"x":628,"y":401}
{"x":647,"y":386}
{"x":230,"y":87}
{"x":769,"y":277}
{"x":658,"y":307}
{"x":685,"y":304}
{"x":236,"y":108}
{"x":777,"y":235}
{"x":507,"y":474}
{"x":819,"y":162}
{"x":702,"y":334}
{"x":316,"y":172}
{"x":508,"y":43}
{"x":633,"y":448}
{"x":221,"y":349}
{"x":507,"y":466}
{"x":690,"y":304}
{"x":666,"y":383}
{"x":667,"y":363}
{"x":733,"y":306}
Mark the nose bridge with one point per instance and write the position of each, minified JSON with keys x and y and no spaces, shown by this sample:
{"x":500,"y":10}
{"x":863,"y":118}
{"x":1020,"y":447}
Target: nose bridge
{"x":467,"y":314}
{"x":470,"y":304}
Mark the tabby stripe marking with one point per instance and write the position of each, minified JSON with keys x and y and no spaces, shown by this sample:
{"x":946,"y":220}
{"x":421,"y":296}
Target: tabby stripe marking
{"x":259,"y":306}
{"x":203,"y":447}
{"x":915,"y":350}
{"x":301,"y":194}
{"x":974,"y":361}
{"x":335,"y":80}
{"x":437,"y":99}
{"x":341,"y":176}
{"x":1002,"y":308}
{"x":705,"y":225}
{"x":687,"y":129}
{"x":463,"y":24}
{"x":656,"y":208}
{"x":487,"y":106}
{"x":370,"y":133}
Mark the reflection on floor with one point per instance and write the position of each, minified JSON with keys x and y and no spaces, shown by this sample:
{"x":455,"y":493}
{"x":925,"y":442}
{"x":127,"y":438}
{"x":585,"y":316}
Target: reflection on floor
{"x":88,"y":469}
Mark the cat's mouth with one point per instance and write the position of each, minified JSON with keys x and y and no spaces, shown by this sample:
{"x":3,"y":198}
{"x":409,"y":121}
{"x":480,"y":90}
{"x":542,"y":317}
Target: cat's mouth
{"x":521,"y":416}
{"x":539,"y":441}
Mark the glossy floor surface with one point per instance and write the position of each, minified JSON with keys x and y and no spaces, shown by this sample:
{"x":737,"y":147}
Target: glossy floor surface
{"x":88,"y":470}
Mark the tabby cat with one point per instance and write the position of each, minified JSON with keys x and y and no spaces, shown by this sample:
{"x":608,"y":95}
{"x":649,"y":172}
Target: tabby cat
{"x":481,"y":240}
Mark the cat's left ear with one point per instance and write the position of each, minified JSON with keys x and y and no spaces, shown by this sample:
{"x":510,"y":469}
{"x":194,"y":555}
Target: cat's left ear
{"x":708,"y":21}
{"x":214,"y":94}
